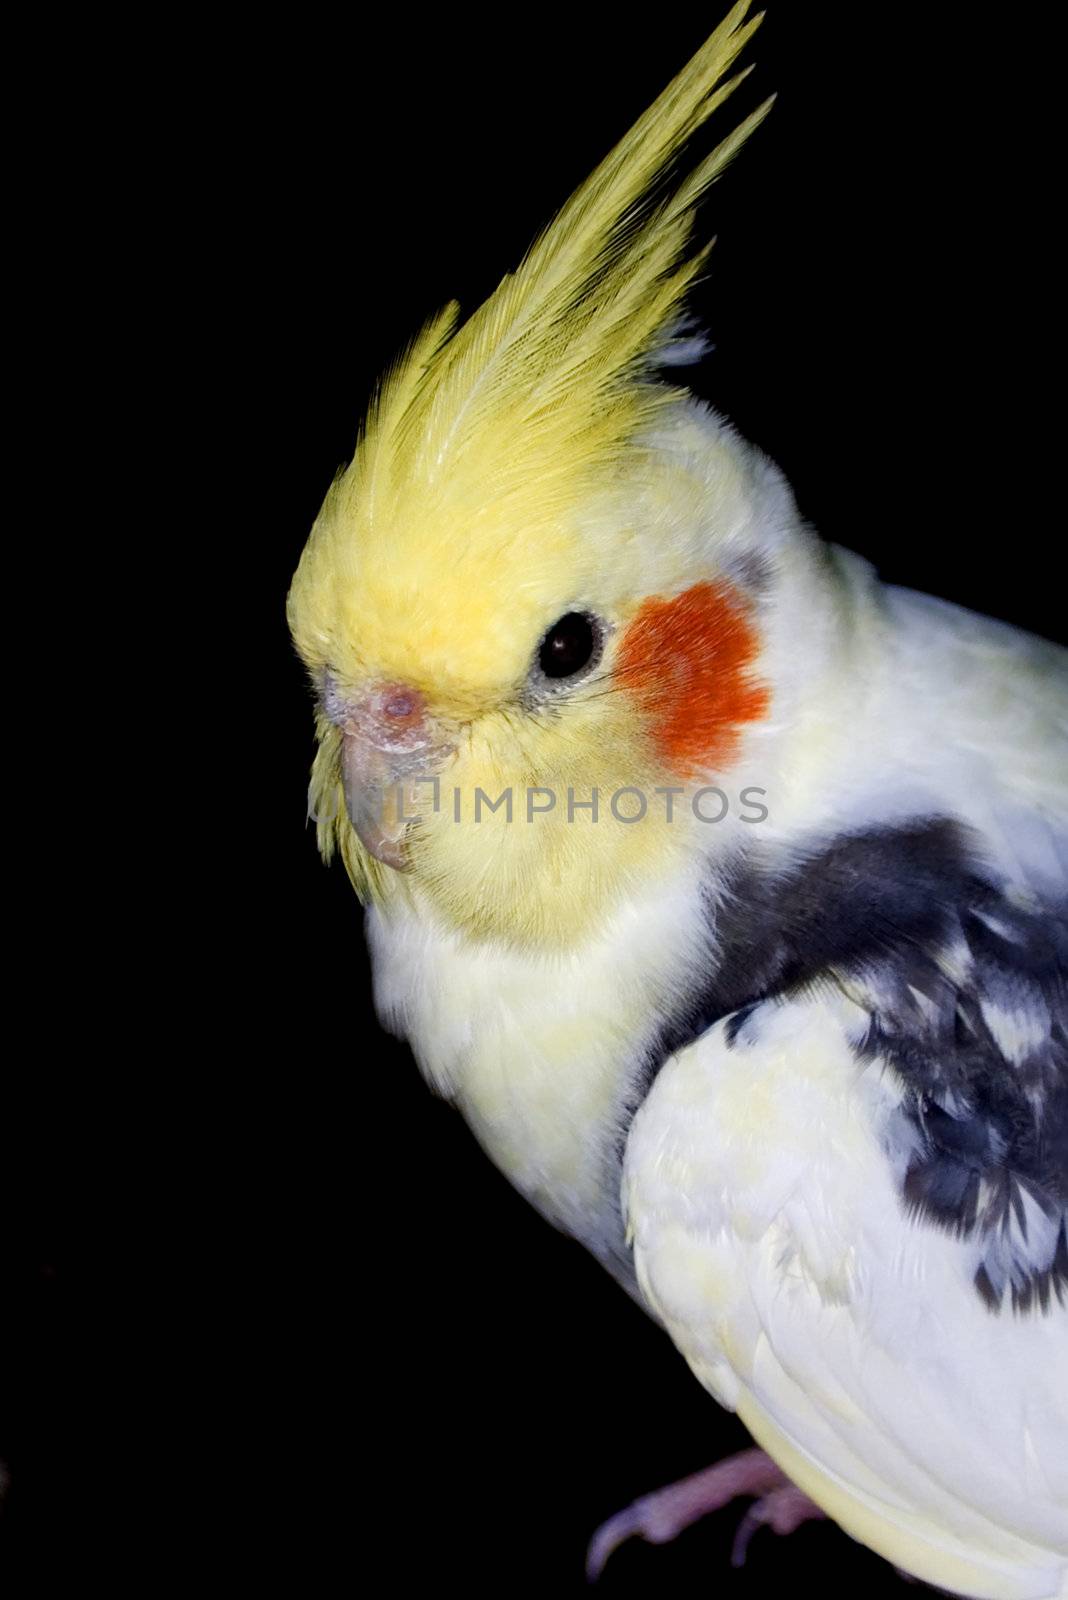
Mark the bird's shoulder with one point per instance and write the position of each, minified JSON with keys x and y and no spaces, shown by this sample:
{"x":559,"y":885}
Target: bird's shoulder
{"x":903,"y":956}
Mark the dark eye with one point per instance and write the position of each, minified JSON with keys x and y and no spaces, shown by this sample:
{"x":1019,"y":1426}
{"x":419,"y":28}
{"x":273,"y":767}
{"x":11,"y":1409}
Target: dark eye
{"x":568,"y":646}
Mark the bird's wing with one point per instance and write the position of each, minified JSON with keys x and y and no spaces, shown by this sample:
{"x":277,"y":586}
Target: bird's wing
{"x":848,"y":1205}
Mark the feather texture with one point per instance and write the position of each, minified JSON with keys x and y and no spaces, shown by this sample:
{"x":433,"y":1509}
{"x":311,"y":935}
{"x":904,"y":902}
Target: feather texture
{"x":543,"y":380}
{"x":503,"y":422}
{"x":828,"y":1055}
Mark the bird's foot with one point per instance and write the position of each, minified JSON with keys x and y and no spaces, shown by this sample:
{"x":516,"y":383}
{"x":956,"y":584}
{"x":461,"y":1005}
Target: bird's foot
{"x":658,"y":1517}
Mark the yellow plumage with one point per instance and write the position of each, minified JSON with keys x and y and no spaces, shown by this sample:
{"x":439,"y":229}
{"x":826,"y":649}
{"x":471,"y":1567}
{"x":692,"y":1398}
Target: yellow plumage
{"x":543,"y":384}
{"x":471,"y":491}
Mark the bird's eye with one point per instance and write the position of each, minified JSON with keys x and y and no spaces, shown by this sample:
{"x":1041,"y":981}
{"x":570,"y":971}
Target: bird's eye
{"x":568,"y":646}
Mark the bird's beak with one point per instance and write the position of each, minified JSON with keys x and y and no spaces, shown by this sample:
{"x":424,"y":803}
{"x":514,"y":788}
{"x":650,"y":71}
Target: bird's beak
{"x":391,"y":751}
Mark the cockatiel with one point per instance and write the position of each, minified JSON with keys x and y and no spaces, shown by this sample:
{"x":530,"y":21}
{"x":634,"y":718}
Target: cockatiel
{"x":721,"y":887}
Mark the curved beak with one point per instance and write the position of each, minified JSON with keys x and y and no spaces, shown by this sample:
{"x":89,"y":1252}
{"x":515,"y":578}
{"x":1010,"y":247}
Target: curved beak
{"x":391,"y":753}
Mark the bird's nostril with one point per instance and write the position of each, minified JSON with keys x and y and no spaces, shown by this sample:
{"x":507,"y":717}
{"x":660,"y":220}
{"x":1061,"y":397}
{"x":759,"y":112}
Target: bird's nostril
{"x":401,"y":704}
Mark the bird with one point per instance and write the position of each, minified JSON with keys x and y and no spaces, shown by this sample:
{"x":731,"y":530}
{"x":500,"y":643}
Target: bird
{"x":720,"y":885}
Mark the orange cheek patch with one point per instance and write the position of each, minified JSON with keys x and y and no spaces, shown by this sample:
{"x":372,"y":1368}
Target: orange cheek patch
{"x":687,"y":662}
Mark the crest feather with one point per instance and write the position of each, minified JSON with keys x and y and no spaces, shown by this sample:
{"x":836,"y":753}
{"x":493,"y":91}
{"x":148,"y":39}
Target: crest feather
{"x":554,"y":373}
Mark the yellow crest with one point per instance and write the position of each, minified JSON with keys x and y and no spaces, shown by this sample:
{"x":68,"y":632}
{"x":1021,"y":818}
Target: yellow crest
{"x":456,"y":534}
{"x":498,"y":423}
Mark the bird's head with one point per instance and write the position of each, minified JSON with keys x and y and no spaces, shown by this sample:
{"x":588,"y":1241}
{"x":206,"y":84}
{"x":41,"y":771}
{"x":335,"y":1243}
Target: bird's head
{"x":540,"y":578}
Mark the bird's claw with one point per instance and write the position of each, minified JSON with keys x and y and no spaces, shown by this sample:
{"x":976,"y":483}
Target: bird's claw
{"x":658,"y":1517}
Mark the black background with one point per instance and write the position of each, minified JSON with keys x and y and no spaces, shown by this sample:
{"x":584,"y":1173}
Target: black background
{"x":257,"y":1282}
